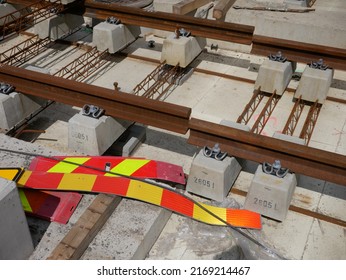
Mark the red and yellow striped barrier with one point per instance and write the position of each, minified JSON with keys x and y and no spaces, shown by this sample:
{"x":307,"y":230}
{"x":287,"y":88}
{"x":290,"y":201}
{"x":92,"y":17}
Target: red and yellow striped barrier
{"x":134,"y":167}
{"x":139,"y":190}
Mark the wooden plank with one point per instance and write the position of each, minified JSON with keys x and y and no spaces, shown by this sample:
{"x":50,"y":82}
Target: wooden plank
{"x":221,"y":8}
{"x":186,"y":6}
{"x":83,"y":232}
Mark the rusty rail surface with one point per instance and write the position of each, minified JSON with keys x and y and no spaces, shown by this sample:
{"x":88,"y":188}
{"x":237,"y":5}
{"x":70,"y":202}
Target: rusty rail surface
{"x":300,"y":52}
{"x":298,"y":158}
{"x":117,"y":104}
{"x":224,"y":31}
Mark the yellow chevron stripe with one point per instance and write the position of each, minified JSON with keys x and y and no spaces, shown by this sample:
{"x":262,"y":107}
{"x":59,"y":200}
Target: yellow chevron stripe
{"x":128,"y":166}
{"x":77,"y":182}
{"x":144,"y":191}
{"x":24,"y":200}
{"x":8,"y":174}
{"x":22,"y":180}
{"x":64,"y":167}
{"x":201,"y":215}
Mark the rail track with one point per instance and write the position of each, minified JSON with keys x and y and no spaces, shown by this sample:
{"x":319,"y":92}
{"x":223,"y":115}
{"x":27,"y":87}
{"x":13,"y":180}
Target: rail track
{"x":300,"y":159}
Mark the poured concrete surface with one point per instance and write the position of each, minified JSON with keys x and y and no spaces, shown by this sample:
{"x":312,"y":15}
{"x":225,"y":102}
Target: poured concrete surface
{"x":129,"y":233}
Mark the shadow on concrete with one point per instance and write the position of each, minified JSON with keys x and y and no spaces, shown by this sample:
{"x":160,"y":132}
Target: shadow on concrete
{"x":174,"y":143}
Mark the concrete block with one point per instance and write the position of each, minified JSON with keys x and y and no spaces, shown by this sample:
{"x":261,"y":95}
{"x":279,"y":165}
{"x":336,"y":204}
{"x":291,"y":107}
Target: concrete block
{"x":114,"y":37}
{"x":58,"y":26}
{"x":301,"y":3}
{"x":15,"y":238}
{"x":94,"y":136}
{"x":314,"y":84}
{"x":6,"y":9}
{"x":128,"y":141}
{"x":289,"y":138}
{"x":212,"y":178}
{"x":15,"y":107}
{"x":165,"y":5}
{"x":236,"y":125}
{"x":274,"y":75}
{"x":182,"y":50}
{"x":270,"y":195}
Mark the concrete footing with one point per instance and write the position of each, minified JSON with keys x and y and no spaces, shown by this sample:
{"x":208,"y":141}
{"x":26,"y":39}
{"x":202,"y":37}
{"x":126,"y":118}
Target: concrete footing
{"x":270,"y":195}
{"x":274,"y":76}
{"x":15,"y":107}
{"x":114,"y":37}
{"x":15,"y":238}
{"x":212,"y":178}
{"x":94,"y":136}
{"x":58,"y":26}
{"x":239,"y":126}
{"x":128,"y":141}
{"x":314,"y":84}
{"x":182,"y":50}
{"x":289,"y":138}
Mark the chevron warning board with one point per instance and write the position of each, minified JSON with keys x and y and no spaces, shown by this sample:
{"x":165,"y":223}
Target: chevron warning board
{"x":139,"y":190}
{"x":134,"y":167}
{"x":54,"y":206}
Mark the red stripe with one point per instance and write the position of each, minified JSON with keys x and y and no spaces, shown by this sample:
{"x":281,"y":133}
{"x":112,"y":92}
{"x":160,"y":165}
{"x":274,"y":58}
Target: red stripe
{"x":35,"y":199}
{"x":177,"y":203}
{"x":113,"y":185}
{"x":43,"y":180}
{"x":42,"y":164}
{"x":149,"y":170}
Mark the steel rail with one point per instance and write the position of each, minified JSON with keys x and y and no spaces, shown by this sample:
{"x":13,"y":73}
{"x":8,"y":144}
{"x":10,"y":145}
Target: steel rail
{"x":224,"y":31}
{"x":300,"y":159}
{"x":116,"y":103}
{"x":299,"y":51}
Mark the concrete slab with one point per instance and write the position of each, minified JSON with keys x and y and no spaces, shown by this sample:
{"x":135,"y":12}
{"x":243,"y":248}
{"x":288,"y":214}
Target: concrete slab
{"x":325,"y":26}
{"x":15,"y":239}
{"x":318,"y":244}
{"x":185,"y":239}
{"x":131,"y":232}
{"x":333,"y":201}
{"x":288,"y":238}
